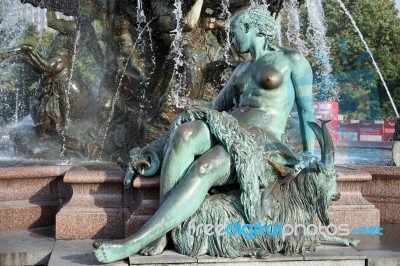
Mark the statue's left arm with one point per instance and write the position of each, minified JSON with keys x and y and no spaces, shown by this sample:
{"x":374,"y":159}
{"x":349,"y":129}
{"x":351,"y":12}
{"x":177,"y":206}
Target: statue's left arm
{"x":302,"y":78}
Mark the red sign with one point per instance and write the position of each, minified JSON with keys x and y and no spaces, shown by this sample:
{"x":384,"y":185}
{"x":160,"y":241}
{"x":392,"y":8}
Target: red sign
{"x":388,"y":129}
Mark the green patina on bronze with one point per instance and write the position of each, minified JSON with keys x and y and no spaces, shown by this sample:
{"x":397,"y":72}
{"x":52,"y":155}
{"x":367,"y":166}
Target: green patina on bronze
{"x":218,"y":167}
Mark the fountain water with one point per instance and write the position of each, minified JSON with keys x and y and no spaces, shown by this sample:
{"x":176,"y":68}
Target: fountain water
{"x":279,"y":29}
{"x":370,"y":53}
{"x":119,"y":86}
{"x":12,"y":33}
{"x":227,"y":14}
{"x":293,"y":33}
{"x":316,"y":32}
{"x":177,"y":51}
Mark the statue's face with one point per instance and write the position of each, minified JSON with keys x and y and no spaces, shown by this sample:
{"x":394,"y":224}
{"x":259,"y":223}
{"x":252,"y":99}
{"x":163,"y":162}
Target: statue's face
{"x":241,"y":36}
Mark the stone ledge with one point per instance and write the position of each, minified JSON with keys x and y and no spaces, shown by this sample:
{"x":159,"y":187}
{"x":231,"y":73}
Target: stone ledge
{"x":383,"y":190}
{"x":325,"y":255}
{"x":31,"y":196}
{"x":352,"y":208}
{"x":96,"y":207}
{"x":38,"y":247}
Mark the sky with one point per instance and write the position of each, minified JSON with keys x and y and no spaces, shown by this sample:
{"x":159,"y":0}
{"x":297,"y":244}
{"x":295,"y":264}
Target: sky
{"x":398,"y":4}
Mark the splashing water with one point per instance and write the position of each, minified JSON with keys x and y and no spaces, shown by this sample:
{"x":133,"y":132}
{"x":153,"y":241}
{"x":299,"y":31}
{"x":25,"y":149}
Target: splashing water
{"x":227,"y":14}
{"x":370,"y":53}
{"x":294,"y":25}
{"x":77,"y":37}
{"x":279,"y":30}
{"x":12,"y":34}
{"x":116,"y":95}
{"x":177,"y":50}
{"x":142,"y":20}
{"x":141,"y":26}
{"x":13,"y":30}
{"x":316,"y":32}
{"x":67,"y":93}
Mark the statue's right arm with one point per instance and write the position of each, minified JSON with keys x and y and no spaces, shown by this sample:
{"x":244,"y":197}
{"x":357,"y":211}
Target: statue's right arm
{"x":36,"y":60}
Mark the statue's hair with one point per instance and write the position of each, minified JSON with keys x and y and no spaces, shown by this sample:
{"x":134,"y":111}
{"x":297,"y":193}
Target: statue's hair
{"x":260,"y":18}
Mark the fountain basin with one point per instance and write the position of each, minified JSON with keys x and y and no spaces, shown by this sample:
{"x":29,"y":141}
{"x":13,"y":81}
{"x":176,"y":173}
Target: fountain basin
{"x":383,"y":191}
{"x":31,"y":196}
{"x":93,"y":204}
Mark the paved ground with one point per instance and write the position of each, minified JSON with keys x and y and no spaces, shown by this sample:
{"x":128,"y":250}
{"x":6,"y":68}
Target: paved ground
{"x":38,"y":247}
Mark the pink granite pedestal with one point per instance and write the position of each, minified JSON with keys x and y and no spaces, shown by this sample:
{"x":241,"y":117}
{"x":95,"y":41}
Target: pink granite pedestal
{"x":101,"y":208}
{"x":31,"y":196}
{"x":96,"y":207}
{"x":383,"y":191}
{"x":352,"y":208}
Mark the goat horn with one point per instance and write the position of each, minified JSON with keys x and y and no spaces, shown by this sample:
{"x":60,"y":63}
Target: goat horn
{"x":320,"y":137}
{"x":329,"y":148}
{"x":140,"y":165}
{"x":281,"y":169}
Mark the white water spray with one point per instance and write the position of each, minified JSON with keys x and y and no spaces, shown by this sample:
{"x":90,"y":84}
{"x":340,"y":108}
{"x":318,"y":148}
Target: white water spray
{"x":227,"y":43}
{"x":279,"y":29}
{"x":116,"y":95}
{"x":142,"y":20}
{"x":370,"y":53}
{"x":177,"y":50}
{"x":316,"y":32}
{"x":294,"y":26}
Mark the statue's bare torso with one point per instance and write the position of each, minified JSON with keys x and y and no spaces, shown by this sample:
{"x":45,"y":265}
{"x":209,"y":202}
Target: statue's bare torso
{"x":263,"y":91}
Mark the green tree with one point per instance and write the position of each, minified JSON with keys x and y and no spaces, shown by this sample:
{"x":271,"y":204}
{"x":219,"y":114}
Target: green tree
{"x":379,"y":24}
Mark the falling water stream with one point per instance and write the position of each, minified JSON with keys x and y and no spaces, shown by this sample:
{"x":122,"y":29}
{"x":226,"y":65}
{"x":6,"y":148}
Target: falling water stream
{"x":71,"y":73}
{"x":294,"y":26}
{"x":116,"y":95}
{"x":370,"y":53}
{"x":316,"y":32}
{"x":12,"y":34}
{"x":227,"y":43}
{"x":141,"y":26}
{"x":177,"y":50}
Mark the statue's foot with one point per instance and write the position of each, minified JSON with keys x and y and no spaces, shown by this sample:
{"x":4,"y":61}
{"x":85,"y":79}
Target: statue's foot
{"x":155,"y":248}
{"x":109,"y":252}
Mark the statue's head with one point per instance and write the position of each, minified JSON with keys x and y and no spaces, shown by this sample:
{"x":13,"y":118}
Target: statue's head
{"x":250,"y":24}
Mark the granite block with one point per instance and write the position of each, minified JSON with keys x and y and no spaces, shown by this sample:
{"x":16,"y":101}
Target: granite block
{"x":383,"y":191}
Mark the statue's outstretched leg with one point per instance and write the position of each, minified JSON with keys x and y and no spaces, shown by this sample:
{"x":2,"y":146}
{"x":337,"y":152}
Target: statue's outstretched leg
{"x":213,"y":167}
{"x":191,"y":139}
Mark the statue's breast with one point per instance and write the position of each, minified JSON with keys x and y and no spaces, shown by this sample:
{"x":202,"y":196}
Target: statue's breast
{"x":268,"y":78}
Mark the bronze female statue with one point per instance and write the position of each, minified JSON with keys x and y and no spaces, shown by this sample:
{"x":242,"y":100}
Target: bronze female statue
{"x":260,"y":95}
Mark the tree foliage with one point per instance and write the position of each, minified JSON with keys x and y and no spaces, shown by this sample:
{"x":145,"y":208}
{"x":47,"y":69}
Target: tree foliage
{"x":379,"y":24}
